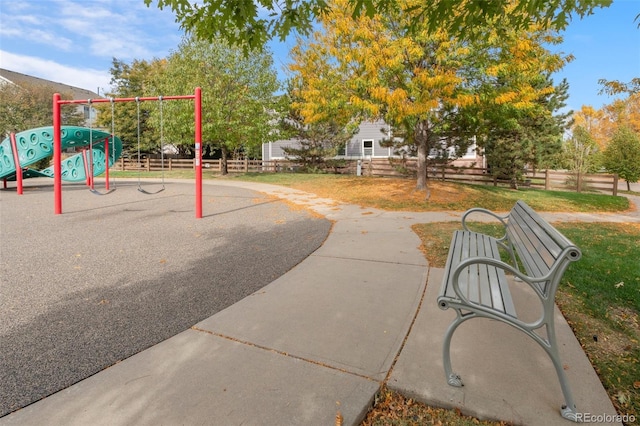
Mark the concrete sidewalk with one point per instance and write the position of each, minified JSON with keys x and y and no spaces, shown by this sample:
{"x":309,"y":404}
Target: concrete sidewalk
{"x":321,"y":339}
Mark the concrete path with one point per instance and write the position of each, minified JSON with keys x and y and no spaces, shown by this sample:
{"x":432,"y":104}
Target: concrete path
{"x":319,"y":341}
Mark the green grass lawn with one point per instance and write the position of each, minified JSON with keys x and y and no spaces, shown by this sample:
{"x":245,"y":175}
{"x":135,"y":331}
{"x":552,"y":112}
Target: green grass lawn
{"x":601,"y":300}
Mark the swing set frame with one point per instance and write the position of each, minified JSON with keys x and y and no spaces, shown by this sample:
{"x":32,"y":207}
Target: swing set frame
{"x":57,"y":140}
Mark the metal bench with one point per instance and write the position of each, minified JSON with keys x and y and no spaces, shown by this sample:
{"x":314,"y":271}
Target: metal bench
{"x":475,"y":281}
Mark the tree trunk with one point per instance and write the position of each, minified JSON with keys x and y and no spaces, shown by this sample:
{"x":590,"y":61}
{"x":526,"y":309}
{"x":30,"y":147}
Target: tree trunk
{"x":421,"y":182}
{"x":514,"y":183}
{"x":421,"y":140}
{"x":224,"y":167}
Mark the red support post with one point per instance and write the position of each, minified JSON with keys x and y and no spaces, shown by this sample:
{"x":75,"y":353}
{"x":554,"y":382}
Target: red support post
{"x":106,"y":163}
{"x":198,"y":144}
{"x":16,"y":162}
{"x":57,"y":155}
{"x":87,"y":169}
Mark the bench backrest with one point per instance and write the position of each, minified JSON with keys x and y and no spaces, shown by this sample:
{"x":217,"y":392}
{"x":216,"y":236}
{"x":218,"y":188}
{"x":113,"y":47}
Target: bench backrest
{"x":540,"y":248}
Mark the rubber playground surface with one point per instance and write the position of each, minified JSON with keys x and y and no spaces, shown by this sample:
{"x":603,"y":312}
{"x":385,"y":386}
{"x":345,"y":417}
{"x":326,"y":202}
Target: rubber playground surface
{"x":116,"y":274}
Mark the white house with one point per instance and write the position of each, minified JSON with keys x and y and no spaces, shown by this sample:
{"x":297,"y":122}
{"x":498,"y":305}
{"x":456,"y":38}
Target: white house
{"x":365,"y":144}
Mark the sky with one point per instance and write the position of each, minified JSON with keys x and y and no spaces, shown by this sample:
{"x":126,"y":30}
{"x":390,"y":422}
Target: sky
{"x":75,"y":41}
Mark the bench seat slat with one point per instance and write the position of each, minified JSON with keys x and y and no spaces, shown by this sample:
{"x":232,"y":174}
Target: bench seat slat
{"x":537,"y":250}
{"x":497,"y":295}
{"x":482,"y":284}
{"x":475,"y":279}
{"x":487,"y":275}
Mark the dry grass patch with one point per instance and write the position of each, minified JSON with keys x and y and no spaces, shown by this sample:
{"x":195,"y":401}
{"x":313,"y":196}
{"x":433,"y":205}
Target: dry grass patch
{"x":390,"y":193}
{"x":397,"y":194}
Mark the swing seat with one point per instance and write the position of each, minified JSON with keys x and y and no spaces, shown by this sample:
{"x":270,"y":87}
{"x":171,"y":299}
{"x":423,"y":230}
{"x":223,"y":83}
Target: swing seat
{"x":144,"y":191}
{"x":140,"y":188}
{"x":96,"y":192}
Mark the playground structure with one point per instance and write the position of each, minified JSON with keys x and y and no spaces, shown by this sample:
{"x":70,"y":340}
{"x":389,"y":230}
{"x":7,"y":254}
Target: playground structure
{"x":57,"y":140}
{"x":21,"y":150}
{"x":28,"y":147}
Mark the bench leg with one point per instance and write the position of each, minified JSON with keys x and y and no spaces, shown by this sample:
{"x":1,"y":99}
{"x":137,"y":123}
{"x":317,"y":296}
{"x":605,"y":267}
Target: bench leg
{"x":568,"y":411}
{"x":452,"y":378}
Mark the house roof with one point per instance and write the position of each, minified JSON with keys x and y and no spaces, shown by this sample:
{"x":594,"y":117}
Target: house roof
{"x":18,"y":78}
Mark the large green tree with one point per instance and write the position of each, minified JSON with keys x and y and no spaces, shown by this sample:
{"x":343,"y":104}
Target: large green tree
{"x":622,"y":155}
{"x":530,"y":137}
{"x":581,"y":154}
{"x":252,"y":23}
{"x":239,"y":106}
{"x":130,"y":119}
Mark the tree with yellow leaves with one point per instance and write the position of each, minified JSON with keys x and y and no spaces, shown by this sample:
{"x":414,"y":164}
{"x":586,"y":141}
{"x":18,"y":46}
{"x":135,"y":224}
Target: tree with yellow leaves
{"x":616,"y":130}
{"x":412,"y":82}
{"x":429,"y":86}
{"x":595,"y":122}
{"x":624,"y":112}
{"x":602,"y":123}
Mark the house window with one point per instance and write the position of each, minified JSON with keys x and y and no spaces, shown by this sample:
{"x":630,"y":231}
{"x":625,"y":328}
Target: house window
{"x":367,"y":147}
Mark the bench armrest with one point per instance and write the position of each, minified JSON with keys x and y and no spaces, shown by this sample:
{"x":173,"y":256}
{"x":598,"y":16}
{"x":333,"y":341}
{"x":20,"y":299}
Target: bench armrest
{"x":498,"y":264}
{"x":502,"y":219}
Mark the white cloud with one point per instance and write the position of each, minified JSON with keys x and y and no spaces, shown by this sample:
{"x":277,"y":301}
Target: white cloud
{"x":86,"y":78}
{"x":30,"y":27}
{"x":74,"y":41}
{"x":125,"y":29}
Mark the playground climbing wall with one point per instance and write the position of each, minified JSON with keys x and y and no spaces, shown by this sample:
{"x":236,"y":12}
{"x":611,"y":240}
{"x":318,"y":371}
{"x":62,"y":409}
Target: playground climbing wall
{"x":36,"y":144}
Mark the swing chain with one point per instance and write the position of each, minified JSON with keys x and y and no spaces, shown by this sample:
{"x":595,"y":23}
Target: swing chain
{"x":89,"y":168}
{"x":161,"y":137}
{"x":140,"y":188}
{"x":113,"y":135}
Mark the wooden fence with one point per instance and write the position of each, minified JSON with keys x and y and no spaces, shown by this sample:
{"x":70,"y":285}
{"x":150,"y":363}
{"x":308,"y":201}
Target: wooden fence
{"x":543,"y":179}
{"x":156,"y":164}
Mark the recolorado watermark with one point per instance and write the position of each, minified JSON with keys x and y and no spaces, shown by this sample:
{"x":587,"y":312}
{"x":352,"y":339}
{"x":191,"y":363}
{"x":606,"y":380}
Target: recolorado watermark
{"x":605,"y":418}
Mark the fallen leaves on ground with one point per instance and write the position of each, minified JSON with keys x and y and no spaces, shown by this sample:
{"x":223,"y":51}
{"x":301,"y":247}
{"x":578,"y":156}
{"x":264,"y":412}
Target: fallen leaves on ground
{"x":391,"y":408}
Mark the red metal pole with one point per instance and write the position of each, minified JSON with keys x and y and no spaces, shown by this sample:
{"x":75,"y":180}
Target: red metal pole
{"x":87,"y":169}
{"x":57,"y":155}
{"x":106,"y":162}
{"x":198,"y":143}
{"x":103,"y":100}
{"x":16,"y":161}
